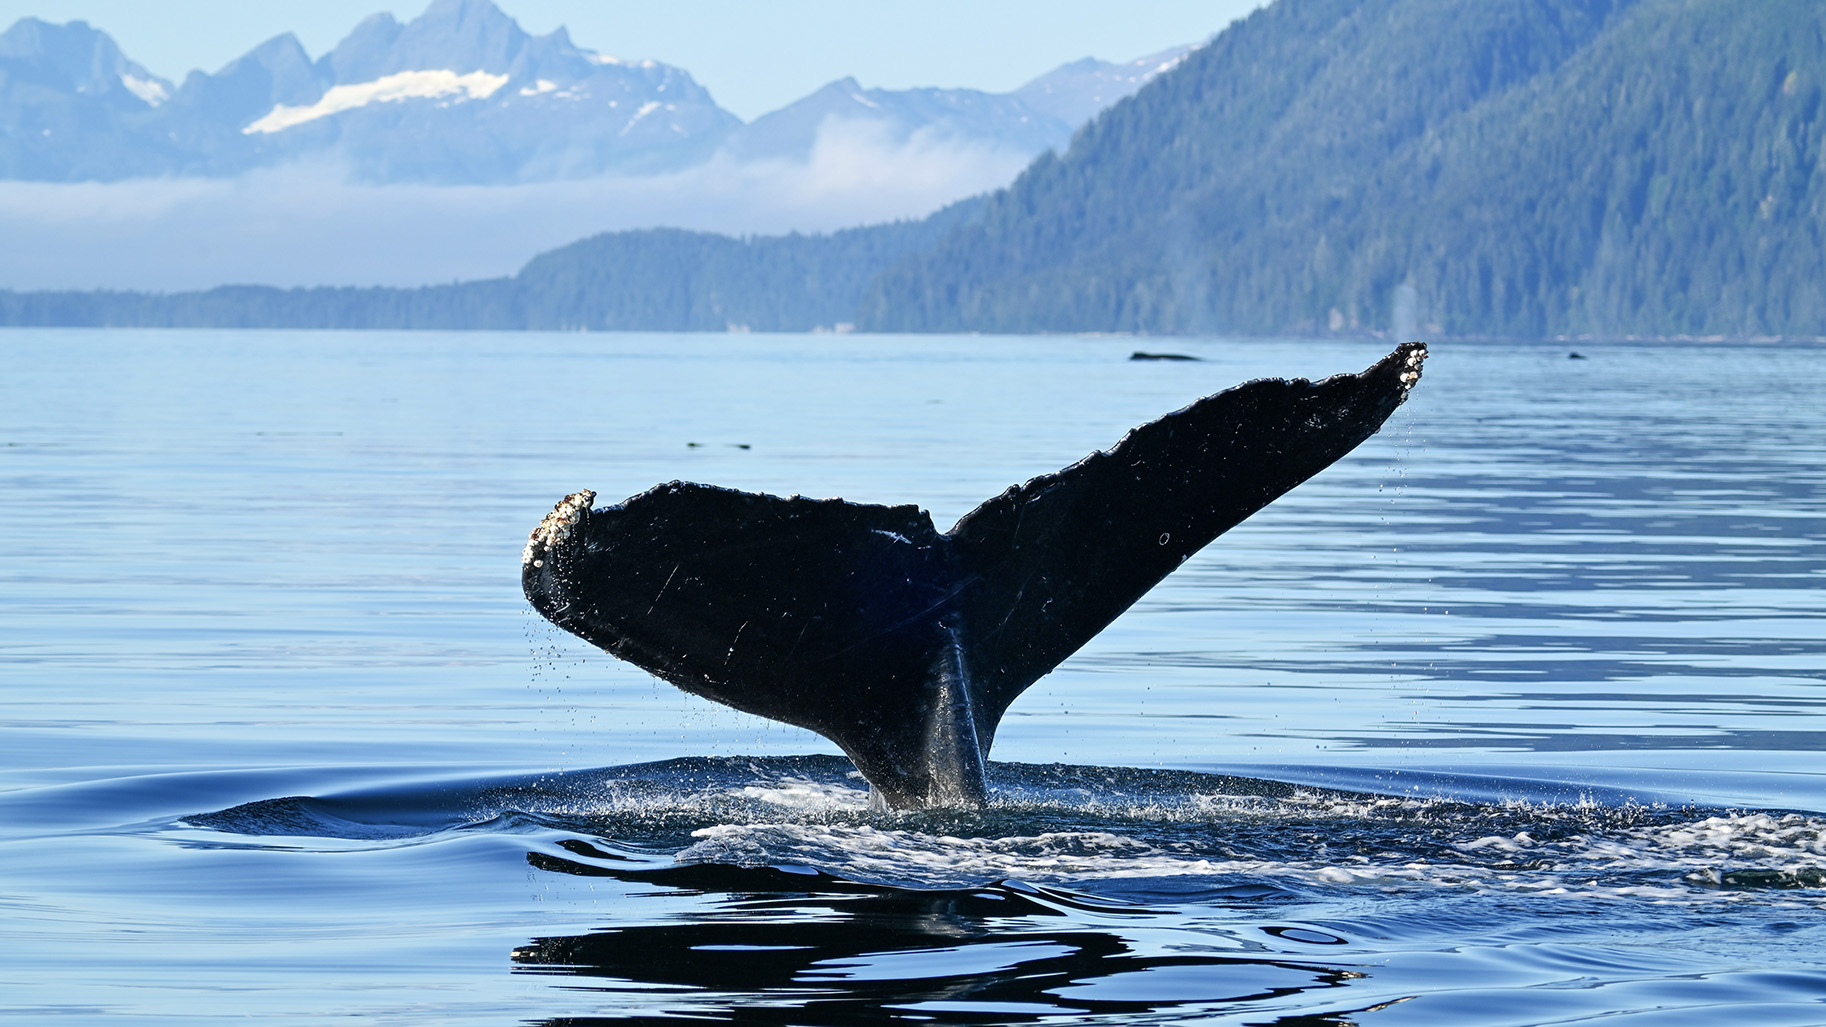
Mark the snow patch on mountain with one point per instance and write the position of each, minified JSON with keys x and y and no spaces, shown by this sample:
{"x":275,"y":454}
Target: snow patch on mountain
{"x":645,"y":109}
{"x":1163,"y":66}
{"x":405,"y":85}
{"x":605,"y":59}
{"x":150,"y":90}
{"x":1076,"y":92}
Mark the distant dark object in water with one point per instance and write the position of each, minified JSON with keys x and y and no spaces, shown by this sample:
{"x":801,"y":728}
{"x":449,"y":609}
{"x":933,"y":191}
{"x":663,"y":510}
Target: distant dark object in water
{"x":1140,"y":355}
{"x":903,"y":645}
{"x":1576,"y":356}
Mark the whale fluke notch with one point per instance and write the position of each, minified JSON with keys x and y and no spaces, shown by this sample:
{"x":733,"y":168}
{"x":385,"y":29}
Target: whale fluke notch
{"x":903,"y":645}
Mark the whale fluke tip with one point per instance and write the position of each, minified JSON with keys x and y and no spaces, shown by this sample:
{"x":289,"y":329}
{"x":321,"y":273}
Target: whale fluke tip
{"x":1413,"y":355}
{"x":556,"y":527}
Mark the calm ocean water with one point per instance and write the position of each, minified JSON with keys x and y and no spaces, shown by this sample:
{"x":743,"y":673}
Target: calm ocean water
{"x":1515,"y":716}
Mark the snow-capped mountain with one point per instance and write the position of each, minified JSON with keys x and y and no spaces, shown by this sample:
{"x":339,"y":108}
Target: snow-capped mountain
{"x":72,"y":106}
{"x":461,"y":94}
{"x":897,"y":116}
{"x":1077,"y":92}
{"x":77,"y":59}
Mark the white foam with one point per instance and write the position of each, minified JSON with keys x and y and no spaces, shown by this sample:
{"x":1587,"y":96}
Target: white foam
{"x":800,"y":793}
{"x":1520,"y":841}
{"x":1748,"y":840}
{"x":1687,"y":861}
{"x":897,"y":854}
{"x":1750,"y":835}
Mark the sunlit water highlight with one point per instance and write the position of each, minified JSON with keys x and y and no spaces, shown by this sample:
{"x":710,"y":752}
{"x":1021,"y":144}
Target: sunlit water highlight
{"x":1513,"y":717}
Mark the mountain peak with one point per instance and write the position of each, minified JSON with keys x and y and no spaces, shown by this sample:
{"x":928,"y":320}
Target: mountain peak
{"x":462,"y":9}
{"x":66,"y":44}
{"x":82,"y":59}
{"x":1075,"y":92}
{"x":467,"y":17}
{"x":460,"y":35}
{"x":276,"y":71}
{"x":363,"y":53}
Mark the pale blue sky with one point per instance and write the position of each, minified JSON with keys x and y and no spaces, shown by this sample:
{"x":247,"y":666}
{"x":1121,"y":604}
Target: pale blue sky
{"x":754,"y":57}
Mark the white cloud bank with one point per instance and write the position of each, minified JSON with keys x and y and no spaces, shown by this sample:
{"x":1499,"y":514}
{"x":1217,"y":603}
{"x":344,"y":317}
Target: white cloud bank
{"x":309,"y":225}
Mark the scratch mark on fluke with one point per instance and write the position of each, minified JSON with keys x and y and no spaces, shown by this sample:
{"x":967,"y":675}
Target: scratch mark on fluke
{"x":903,"y":645}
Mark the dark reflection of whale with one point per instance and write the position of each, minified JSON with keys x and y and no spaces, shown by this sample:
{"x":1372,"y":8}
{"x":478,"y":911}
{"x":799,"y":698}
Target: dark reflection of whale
{"x":779,"y":947}
{"x":906,"y":646}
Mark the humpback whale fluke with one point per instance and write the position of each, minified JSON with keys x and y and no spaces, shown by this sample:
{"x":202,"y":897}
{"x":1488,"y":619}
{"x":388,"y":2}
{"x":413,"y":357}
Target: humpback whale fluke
{"x":903,"y":645}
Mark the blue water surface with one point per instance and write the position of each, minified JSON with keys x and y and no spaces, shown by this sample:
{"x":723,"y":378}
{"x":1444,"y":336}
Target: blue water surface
{"x":1514,"y":716}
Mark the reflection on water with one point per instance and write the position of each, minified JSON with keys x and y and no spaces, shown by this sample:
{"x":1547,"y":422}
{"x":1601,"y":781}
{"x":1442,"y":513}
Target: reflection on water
{"x":785,"y":947}
{"x":765,"y":891}
{"x":1519,"y":706}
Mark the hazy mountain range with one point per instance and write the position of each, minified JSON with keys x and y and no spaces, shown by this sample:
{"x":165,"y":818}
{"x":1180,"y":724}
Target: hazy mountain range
{"x":462,"y":95}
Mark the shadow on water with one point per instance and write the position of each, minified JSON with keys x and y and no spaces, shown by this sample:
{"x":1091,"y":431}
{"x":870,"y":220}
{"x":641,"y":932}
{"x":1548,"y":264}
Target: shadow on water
{"x":780,"y":946}
{"x":765,"y":891}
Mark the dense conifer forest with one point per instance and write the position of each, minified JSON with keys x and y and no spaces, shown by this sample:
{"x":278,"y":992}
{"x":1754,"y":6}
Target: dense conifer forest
{"x":659,"y":279}
{"x":1510,"y":168}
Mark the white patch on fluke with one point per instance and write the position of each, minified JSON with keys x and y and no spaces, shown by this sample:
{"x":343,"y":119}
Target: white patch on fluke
{"x":405,"y":85}
{"x":1416,"y":357}
{"x":556,"y":527}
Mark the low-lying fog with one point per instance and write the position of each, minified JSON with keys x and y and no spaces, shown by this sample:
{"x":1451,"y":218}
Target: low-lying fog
{"x":312,"y":225}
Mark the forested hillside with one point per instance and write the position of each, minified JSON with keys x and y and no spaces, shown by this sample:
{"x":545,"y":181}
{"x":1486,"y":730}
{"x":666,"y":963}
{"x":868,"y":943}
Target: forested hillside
{"x":1518,"y":168}
{"x":661,"y":280}
{"x":1508,"y":167}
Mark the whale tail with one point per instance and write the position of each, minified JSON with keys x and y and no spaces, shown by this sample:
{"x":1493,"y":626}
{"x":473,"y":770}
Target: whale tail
{"x":901,"y":644}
